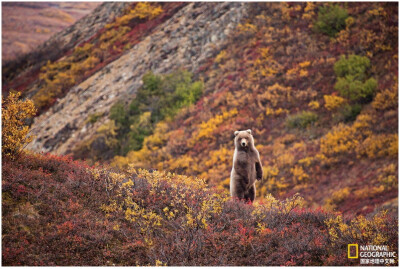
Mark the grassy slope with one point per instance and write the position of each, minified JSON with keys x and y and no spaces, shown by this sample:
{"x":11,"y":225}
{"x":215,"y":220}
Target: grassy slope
{"x":275,"y":66}
{"x":56,"y":211}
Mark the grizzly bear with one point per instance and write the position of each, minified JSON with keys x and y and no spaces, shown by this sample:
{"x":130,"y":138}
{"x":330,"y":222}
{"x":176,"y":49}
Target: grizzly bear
{"x":246,"y":167}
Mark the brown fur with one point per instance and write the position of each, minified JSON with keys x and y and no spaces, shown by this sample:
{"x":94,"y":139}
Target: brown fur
{"x":246,"y":168}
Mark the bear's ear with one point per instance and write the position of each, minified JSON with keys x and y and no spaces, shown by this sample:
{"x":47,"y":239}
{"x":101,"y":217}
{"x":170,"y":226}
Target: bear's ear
{"x":236,"y":133}
{"x":249,"y":131}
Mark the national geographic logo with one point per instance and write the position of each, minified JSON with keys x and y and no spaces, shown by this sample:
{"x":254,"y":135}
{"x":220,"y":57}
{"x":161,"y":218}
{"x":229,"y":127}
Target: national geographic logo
{"x":353,"y":247}
{"x":371,"y":254}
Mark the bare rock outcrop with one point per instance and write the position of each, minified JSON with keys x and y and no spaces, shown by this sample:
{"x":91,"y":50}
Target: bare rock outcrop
{"x":193,"y":35}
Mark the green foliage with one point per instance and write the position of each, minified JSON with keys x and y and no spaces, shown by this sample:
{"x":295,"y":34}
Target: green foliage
{"x":160,"y":97}
{"x":331,"y":19}
{"x":355,"y":89}
{"x":352,"y":82}
{"x":301,"y":120}
{"x":118,"y":114}
{"x":350,"y":112}
{"x":353,"y":65}
{"x":92,"y":118}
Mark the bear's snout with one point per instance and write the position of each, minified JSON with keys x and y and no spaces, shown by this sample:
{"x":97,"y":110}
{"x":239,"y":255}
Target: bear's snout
{"x":243,"y":142}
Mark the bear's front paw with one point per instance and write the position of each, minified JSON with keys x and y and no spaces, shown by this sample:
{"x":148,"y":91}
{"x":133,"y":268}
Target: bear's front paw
{"x":259,"y":179}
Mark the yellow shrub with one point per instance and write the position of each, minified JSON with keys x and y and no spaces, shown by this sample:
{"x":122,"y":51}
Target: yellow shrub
{"x":360,"y":229}
{"x":299,"y":70}
{"x":142,"y":10}
{"x":309,"y":12}
{"x":306,"y":161}
{"x":340,"y":140}
{"x":369,"y":192}
{"x":220,"y":57}
{"x":265,"y":65}
{"x":386,"y":99}
{"x":313,"y":105}
{"x":247,"y":28}
{"x":345,"y":139}
{"x":388,"y":177}
{"x":222,"y":155}
{"x":145,"y":10}
{"x":337,"y":197}
{"x":276,"y":94}
{"x":207,"y":128}
{"x":381,"y":145}
{"x":276,"y":112}
{"x":377,"y":12}
{"x":14,"y":131}
{"x":299,"y":175}
{"x":333,"y":102}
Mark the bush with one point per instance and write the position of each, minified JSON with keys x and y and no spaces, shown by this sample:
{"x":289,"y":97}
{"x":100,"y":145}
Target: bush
{"x":61,"y":212}
{"x":352,"y":82}
{"x":118,"y":114}
{"x":331,"y":19}
{"x":160,"y":97}
{"x":353,"y":65}
{"x":350,"y":112}
{"x":301,"y":120}
{"x":333,"y":102}
{"x":14,"y":130}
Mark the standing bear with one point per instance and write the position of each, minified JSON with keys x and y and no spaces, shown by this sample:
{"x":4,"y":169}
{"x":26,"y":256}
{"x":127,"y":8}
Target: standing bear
{"x":246,"y":167}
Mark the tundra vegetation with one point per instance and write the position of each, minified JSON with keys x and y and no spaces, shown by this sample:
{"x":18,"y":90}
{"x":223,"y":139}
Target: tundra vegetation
{"x":321,"y":98}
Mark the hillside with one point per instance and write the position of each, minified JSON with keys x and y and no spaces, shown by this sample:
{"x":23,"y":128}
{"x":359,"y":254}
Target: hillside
{"x":321,"y":101}
{"x":59,"y":212}
{"x":280,"y":77}
{"x":22,"y":72}
{"x":22,"y":34}
{"x":127,"y":160}
{"x":272,"y":72}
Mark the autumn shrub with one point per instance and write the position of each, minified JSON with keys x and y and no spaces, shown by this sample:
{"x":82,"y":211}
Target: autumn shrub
{"x":344,"y":140}
{"x":349,"y":113}
{"x":353,"y":65}
{"x":333,"y":102}
{"x":387,"y":99}
{"x":57,"y":211}
{"x":142,"y":10}
{"x":352,"y":80}
{"x":301,"y":120}
{"x":51,"y":213}
{"x":331,"y":19}
{"x":14,"y":129}
{"x":362,"y":231}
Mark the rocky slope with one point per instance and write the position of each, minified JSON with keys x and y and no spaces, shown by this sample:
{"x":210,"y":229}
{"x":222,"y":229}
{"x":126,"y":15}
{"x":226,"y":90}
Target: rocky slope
{"x":188,"y":40}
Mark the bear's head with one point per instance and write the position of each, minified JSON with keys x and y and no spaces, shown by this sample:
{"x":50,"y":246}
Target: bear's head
{"x":243,"y":139}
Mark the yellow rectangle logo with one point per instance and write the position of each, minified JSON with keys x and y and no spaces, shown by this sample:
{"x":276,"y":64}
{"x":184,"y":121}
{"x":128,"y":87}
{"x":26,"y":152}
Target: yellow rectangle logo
{"x":348,"y":251}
